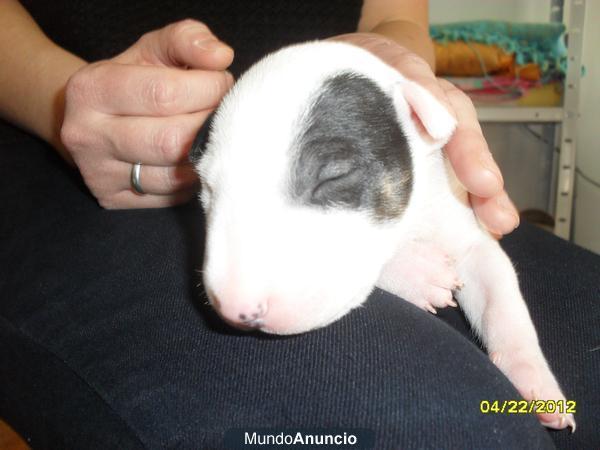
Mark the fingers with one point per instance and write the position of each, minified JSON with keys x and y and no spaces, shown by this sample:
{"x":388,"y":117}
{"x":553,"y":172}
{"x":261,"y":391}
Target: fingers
{"x":497,"y":213}
{"x":152,"y":141}
{"x":473,"y":163}
{"x":187,"y":43}
{"x":468,"y":151}
{"x":475,"y":167}
{"x":145,"y":105}
{"x":105,"y":160}
{"x":121,"y":89}
{"x":110,"y":182}
{"x":128,"y":200}
{"x":156,"y":180}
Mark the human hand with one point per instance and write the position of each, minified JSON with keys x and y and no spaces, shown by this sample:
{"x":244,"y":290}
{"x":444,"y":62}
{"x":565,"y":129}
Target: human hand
{"x":145,"y":105}
{"x":467,"y":150}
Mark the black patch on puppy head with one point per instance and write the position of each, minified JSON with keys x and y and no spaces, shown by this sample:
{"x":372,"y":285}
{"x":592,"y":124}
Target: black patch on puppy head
{"x":199,"y":144}
{"x":352,"y":153}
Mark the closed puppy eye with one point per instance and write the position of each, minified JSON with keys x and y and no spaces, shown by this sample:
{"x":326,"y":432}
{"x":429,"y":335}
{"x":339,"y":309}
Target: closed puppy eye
{"x":338,"y":182}
{"x":334,"y":169}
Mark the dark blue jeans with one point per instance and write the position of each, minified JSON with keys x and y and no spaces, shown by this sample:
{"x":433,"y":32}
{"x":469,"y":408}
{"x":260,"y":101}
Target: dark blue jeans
{"x":106,"y":341}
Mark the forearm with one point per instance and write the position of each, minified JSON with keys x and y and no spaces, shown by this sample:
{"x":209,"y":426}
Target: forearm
{"x":410,"y":35}
{"x":33,"y":75}
{"x":404,"y":21}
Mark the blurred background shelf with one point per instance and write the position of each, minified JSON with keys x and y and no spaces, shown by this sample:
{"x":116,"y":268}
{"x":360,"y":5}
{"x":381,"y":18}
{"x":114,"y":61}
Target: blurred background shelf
{"x":533,"y":136}
{"x":529,"y":114}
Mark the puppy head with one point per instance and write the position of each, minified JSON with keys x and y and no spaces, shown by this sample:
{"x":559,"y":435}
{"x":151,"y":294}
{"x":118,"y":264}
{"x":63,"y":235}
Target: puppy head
{"x":305,"y":177}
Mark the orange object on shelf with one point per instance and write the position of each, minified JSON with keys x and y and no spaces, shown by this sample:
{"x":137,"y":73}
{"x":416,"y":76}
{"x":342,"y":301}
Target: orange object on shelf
{"x":464,"y":59}
{"x":472,"y":59}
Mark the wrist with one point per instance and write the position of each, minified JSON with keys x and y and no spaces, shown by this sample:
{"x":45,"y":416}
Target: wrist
{"x":54,"y":68}
{"x":409,"y":35}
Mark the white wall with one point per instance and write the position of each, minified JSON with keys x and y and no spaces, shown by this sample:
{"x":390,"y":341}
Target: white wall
{"x":444,"y":11}
{"x":586,"y":230}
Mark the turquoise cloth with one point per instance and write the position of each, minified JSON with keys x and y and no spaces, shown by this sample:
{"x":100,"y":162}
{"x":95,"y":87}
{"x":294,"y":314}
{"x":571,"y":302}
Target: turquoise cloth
{"x":539,"y":43}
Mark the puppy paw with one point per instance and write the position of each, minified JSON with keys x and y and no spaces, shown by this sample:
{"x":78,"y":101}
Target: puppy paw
{"x":533,"y":379}
{"x":423,"y":275}
{"x":430,"y":297}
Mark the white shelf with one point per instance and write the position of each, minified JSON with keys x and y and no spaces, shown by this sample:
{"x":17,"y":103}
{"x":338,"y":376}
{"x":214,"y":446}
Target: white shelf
{"x":564,"y":117}
{"x":519,"y":114}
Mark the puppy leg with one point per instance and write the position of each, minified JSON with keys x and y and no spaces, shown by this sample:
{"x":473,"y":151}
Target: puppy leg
{"x":493,"y":303}
{"x":422,"y":274}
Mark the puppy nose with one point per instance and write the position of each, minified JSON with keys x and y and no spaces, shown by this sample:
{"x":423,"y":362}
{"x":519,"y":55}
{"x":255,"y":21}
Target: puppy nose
{"x":241,"y":311}
{"x":252,"y":314}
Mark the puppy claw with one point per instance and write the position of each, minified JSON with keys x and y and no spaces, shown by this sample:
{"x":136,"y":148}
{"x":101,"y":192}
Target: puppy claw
{"x":571,"y":422}
{"x":495,"y":357}
{"x":430,"y":308}
{"x":422,"y":274}
{"x":564,"y":421}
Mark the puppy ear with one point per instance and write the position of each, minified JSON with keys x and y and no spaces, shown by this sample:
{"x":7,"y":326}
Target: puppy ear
{"x":434,"y":117}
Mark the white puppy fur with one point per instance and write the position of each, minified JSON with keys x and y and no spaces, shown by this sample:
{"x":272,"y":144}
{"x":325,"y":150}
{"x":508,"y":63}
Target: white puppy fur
{"x":285,"y":267}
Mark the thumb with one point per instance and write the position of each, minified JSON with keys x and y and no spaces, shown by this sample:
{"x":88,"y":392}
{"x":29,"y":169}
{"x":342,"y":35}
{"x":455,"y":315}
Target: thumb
{"x":187,"y":43}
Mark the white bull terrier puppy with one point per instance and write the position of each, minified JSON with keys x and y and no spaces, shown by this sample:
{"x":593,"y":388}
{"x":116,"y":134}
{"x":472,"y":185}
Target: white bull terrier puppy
{"x":318,"y":185}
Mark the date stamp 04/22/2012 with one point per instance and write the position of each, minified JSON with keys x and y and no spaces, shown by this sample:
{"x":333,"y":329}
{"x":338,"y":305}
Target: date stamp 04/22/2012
{"x":527,"y":406}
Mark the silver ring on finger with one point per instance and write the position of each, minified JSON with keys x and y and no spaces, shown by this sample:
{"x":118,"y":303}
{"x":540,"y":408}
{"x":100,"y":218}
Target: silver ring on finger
{"x":136,"y":171}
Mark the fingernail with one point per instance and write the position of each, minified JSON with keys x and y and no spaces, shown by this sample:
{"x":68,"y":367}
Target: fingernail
{"x":210,"y":45}
{"x":487,"y":162}
{"x":508,"y":207}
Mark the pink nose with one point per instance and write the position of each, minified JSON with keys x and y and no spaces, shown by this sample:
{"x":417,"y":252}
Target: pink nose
{"x":240,"y":311}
